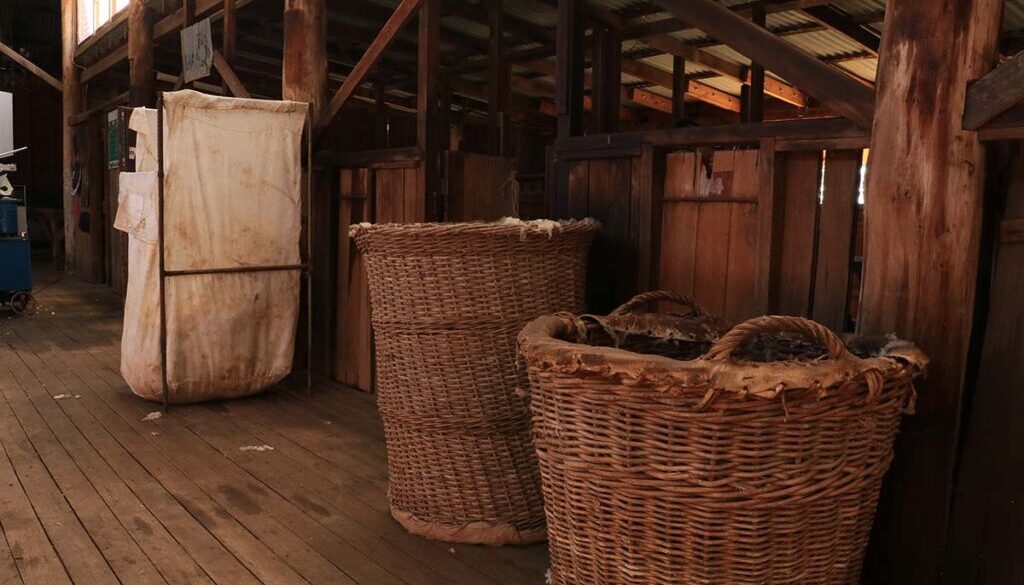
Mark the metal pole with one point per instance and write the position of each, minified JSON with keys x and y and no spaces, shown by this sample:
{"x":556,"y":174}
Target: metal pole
{"x":309,"y":248}
{"x":160,"y":241}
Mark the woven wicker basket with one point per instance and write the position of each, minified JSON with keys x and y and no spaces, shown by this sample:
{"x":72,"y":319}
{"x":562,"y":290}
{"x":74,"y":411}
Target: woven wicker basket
{"x":760,"y":462}
{"x":447,"y":301}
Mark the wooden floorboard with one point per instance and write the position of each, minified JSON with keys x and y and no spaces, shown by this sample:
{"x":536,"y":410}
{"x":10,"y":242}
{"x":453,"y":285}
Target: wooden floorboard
{"x":91,"y":493}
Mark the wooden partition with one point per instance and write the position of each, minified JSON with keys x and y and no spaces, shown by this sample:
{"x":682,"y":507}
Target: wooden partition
{"x":748,"y":225}
{"x":617,"y":191}
{"x":380,"y":193}
{"x":710,"y":240}
{"x":715,"y":205}
{"x":475,"y":190}
{"x":818,"y":229}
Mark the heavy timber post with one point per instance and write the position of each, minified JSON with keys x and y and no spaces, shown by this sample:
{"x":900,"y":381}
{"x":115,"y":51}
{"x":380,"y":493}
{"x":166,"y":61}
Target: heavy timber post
{"x":72,"y":105}
{"x":428,"y":118}
{"x":304,"y":79}
{"x":304,"y":75}
{"x":923,"y":232}
{"x":141,"y":74}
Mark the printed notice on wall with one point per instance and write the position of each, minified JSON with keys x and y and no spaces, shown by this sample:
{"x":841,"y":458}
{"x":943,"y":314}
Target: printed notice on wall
{"x":196,"y":51}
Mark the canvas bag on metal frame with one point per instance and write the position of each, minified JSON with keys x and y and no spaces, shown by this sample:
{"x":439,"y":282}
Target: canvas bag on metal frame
{"x":232,"y":198}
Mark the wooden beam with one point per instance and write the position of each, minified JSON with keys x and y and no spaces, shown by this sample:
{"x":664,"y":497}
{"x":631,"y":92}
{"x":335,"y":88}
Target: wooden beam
{"x":839,"y":21}
{"x":755,"y":91}
{"x":834,"y":89}
{"x":304,"y":67}
{"x":141,"y":70}
{"x":607,"y":85}
{"x":996,"y":92}
{"x":230,"y":30}
{"x":403,"y":12}
{"x":80,"y":118}
{"x":666,"y":43}
{"x":165,"y":26}
{"x":498,"y":81}
{"x":679,"y":86}
{"x":31,"y":67}
{"x":569,"y":80}
{"x":228,"y":74}
{"x":721,"y":135}
{"x":697,"y":90}
{"x":428,"y":127}
{"x":648,"y":99}
{"x":72,"y":105}
{"x":924,"y":203}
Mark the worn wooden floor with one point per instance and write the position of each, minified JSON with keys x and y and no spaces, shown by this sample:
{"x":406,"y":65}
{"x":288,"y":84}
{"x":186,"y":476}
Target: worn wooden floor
{"x":92,"y":494}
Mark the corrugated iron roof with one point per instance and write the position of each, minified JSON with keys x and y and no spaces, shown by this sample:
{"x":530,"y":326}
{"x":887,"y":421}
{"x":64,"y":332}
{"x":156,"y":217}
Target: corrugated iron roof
{"x":795,"y":26}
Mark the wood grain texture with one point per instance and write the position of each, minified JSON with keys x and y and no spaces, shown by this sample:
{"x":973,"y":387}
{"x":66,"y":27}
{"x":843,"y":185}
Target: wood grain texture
{"x":835,"y":240}
{"x":987,"y":528}
{"x":923,"y":227}
{"x":799,"y":233}
{"x":353,"y":352}
{"x":994,"y":93}
{"x":90,"y":493}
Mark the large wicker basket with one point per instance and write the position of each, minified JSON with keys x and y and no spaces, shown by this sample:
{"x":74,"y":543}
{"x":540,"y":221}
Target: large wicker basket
{"x":447,"y":301}
{"x":758,"y":463}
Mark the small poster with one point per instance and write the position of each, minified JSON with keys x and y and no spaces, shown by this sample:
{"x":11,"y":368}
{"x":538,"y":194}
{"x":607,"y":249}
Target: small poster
{"x":196,"y":51}
{"x":113,"y":140}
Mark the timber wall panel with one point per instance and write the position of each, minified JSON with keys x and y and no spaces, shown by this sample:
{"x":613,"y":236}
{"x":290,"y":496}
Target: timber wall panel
{"x":709,"y":239}
{"x":604,"y":189}
{"x":835,"y":242}
{"x":799,"y":232}
{"x":383,"y":195}
{"x":474,"y":187}
{"x":987,"y":528}
{"x":353,"y":362}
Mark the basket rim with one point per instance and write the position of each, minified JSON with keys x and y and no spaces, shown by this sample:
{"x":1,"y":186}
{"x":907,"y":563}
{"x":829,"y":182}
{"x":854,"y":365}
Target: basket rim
{"x":543,"y":345}
{"x":508,"y":226}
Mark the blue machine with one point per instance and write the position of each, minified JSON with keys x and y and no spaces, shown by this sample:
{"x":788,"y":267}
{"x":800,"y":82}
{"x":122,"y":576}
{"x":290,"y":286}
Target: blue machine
{"x":15,"y":254}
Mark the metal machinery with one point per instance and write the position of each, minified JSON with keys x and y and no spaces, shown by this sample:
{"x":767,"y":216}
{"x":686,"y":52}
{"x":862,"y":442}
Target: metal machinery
{"x":15,"y":252}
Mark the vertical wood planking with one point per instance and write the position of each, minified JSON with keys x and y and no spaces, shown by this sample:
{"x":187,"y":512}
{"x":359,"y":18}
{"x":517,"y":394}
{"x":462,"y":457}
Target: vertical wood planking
{"x":798,"y":233}
{"x":836,"y":229}
{"x":353,"y":348}
{"x":578,"y":196}
{"x":679,"y":224}
{"x":987,"y":529}
{"x":741,"y":294}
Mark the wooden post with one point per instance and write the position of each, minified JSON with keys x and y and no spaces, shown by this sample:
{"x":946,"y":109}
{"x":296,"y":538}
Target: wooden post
{"x":568,"y":91}
{"x":230,"y":28}
{"x":141,"y":73}
{"x":607,"y":79}
{"x":428,"y":131}
{"x":304,"y":76}
{"x":569,"y":74}
{"x":380,"y":118}
{"x":923,"y":230}
{"x":679,"y":86}
{"x":71,"y":106}
{"x":304,"y":79}
{"x":499,"y":82}
{"x":755,"y":95}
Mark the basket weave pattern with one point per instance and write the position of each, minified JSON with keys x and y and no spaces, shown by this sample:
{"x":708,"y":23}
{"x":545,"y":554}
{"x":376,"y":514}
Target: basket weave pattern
{"x":447,"y":301}
{"x":658,"y":471}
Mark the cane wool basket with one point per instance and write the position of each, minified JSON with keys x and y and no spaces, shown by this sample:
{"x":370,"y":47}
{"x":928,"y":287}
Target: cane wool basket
{"x":760,"y":462}
{"x":447,"y":301}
